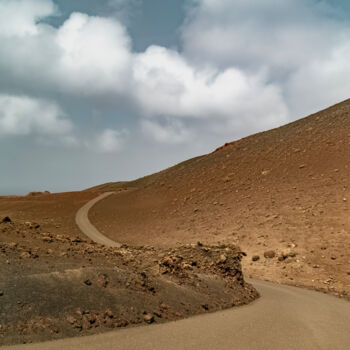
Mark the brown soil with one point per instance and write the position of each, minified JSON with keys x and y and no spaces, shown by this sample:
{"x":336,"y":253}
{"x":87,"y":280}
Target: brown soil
{"x":54,"y":286}
{"x":285,"y":190}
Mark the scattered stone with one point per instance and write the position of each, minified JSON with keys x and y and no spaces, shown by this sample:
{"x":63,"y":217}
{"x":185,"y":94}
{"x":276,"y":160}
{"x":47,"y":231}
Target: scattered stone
{"x":103,"y":280}
{"x":270,"y":254}
{"x":222,"y":259}
{"x":286,"y":254}
{"x":25,"y":255}
{"x":255,"y":257}
{"x":205,"y":307}
{"x":1,"y":293}
{"x":164,"y":306}
{"x":302,"y":166}
{"x":148,"y":318}
{"x":72,"y":320}
{"x":6,"y":219}
{"x":88,"y":282}
{"x":109,"y":313}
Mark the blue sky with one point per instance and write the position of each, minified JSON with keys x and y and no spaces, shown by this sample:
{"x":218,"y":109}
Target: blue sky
{"x":112,"y":90}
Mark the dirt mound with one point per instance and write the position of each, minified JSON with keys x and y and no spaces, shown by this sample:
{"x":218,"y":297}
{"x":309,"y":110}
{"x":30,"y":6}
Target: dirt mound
{"x":35,"y":194}
{"x":53,"y":285}
{"x":286,"y":188}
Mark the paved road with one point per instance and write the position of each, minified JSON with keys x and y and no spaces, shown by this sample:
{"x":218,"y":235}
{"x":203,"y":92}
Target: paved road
{"x":284,"y":318}
{"x":85,"y":226}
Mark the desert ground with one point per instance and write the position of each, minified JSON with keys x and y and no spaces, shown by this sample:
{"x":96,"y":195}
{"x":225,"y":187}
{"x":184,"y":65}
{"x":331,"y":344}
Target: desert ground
{"x":272,"y":206}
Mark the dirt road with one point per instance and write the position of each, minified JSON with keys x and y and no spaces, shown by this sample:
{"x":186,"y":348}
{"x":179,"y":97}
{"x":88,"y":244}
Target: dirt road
{"x":84,"y":224}
{"x":283,"y":318}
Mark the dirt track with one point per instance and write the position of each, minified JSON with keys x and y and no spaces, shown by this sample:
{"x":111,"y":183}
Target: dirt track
{"x":283,"y":318}
{"x":84,"y":224}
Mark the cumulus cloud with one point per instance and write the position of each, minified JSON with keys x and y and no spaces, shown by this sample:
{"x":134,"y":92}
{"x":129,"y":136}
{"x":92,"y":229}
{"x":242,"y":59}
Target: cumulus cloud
{"x":92,"y":56}
{"x":22,"y":115}
{"x":19,"y":18}
{"x":301,"y":45}
{"x":243,"y":65}
{"x":87,"y":55}
{"x":166,"y":84}
{"x":250,"y":34}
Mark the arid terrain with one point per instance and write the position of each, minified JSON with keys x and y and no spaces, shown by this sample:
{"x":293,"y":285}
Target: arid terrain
{"x":55,"y":286}
{"x":281,"y":196}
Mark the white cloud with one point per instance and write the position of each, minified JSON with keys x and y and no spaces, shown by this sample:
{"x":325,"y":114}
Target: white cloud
{"x":167,"y":85}
{"x":302,"y":45}
{"x":320,"y":82}
{"x":22,"y":115}
{"x":281,"y":35}
{"x":94,"y":54}
{"x":85,"y":56}
{"x":243,"y":68}
{"x":108,"y":141}
{"x":19,"y":17}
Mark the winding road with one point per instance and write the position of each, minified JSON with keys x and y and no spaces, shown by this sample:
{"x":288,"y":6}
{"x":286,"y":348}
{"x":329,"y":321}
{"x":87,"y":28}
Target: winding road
{"x":86,"y":227}
{"x":284,"y":318}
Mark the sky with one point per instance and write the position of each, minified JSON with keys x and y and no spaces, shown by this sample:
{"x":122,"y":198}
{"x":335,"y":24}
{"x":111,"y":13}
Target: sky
{"x":93,"y":92}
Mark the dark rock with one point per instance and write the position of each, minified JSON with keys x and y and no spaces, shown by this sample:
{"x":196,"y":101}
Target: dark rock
{"x":6,"y":219}
{"x":255,"y":257}
{"x":270,"y":254}
{"x":88,"y":282}
{"x":205,"y":306}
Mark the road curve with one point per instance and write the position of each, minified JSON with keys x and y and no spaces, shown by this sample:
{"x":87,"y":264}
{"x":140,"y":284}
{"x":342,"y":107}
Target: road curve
{"x":86,"y":227}
{"x":284,"y":317}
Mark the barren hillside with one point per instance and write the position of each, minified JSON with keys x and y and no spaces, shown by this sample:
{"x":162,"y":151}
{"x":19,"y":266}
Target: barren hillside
{"x":285,"y":190}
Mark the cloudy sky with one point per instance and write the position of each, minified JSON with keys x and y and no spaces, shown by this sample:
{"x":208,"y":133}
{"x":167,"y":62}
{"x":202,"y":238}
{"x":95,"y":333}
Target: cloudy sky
{"x":96,"y":91}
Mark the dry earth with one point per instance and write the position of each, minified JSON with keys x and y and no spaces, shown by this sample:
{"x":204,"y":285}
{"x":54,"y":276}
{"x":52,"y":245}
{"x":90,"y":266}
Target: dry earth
{"x":55,"y":286}
{"x":282,"y":196}
{"x":285,"y":190}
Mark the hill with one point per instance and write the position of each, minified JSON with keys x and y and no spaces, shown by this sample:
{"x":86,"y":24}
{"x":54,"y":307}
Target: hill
{"x":285,"y":190}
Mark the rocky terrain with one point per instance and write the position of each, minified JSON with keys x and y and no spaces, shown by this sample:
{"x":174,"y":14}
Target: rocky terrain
{"x":60,"y":285}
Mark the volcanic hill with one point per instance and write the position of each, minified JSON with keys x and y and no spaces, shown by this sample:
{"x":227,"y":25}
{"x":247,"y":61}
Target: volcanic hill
{"x":282,"y":196}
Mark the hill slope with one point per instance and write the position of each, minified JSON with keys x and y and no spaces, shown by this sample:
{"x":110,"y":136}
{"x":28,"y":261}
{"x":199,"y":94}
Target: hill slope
{"x":285,"y":190}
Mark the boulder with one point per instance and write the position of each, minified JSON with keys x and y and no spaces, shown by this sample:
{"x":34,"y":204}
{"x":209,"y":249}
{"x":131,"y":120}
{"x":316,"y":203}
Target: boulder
{"x":270,"y":254}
